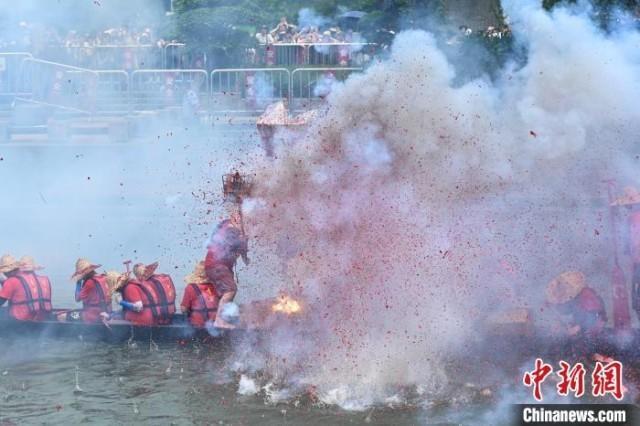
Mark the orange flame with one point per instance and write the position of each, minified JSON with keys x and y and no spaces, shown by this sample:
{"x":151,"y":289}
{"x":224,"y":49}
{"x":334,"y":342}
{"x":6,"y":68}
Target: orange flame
{"x":287,"y":305}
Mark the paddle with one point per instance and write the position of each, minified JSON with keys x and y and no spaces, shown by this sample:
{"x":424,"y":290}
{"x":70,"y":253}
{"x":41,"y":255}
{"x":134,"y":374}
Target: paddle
{"x":621,"y":315}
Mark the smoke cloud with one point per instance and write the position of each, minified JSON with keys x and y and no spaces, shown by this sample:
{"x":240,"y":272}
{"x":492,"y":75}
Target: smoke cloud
{"x":416,"y":206}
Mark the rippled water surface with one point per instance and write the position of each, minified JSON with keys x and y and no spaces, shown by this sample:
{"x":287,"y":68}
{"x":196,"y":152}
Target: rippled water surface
{"x":168,"y":384}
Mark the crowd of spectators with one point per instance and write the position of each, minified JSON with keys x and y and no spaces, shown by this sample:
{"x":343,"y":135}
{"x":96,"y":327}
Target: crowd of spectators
{"x":132,"y":48}
{"x":119,"y":47}
{"x":287,"y":33}
{"x":29,"y":36}
{"x":288,"y":44}
{"x":489,"y":32}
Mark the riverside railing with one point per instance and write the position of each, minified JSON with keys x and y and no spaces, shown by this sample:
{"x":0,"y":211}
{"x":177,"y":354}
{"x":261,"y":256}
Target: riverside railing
{"x":248,"y":89}
{"x":223,"y":91}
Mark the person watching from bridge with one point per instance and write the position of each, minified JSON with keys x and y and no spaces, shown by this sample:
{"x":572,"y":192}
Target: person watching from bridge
{"x":92,"y":290}
{"x":283,"y":31}
{"x":28,"y":294}
{"x":227,"y":243}
{"x":264,"y":37}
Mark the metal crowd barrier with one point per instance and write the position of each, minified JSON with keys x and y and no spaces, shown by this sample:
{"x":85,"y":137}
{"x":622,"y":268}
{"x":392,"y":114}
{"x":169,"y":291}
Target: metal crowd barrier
{"x":60,"y":85}
{"x":113,"y":92}
{"x":312,"y":84}
{"x":172,"y":55}
{"x":177,"y":56}
{"x":241,"y":90}
{"x":10,"y":64}
{"x":248,"y":89}
{"x":157,"y":89}
{"x":109,"y":57}
{"x":341,"y":54}
{"x":291,"y":54}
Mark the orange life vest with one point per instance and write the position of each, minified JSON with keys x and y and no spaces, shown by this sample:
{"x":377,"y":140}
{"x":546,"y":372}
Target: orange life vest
{"x":37,"y":292}
{"x":102,"y":289}
{"x":205,"y":306}
{"x":159,"y":297}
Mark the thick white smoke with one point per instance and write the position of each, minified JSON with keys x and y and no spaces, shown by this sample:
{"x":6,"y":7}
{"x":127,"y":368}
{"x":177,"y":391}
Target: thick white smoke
{"x":414,"y":206}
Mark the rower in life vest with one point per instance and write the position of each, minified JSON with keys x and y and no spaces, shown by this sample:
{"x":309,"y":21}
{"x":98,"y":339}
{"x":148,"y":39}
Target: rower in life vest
{"x":631,"y":201}
{"x":573,"y":298}
{"x":227,"y":243}
{"x":92,"y":290}
{"x":28,"y":294}
{"x":200,"y":300}
{"x":149,"y":299}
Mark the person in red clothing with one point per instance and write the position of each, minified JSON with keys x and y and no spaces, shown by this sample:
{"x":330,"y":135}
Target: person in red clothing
{"x":160,"y":288}
{"x":149,"y":299}
{"x":572,"y":297}
{"x":28,"y":267}
{"x":129,"y":295}
{"x":631,"y":201}
{"x":133,"y":294}
{"x":200,"y":300}
{"x":227,"y":243}
{"x":93,"y":291}
{"x":28,"y":294}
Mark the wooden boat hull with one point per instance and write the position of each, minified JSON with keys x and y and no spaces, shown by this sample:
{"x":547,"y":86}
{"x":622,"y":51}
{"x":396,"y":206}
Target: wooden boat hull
{"x":117,"y":331}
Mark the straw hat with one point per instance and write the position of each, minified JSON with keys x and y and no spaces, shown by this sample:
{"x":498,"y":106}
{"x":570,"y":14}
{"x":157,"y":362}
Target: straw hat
{"x":143,"y":272}
{"x":28,"y":264}
{"x":83,"y":267}
{"x":8,"y":263}
{"x":115,"y":280}
{"x":565,"y":287}
{"x":631,"y":196}
{"x":198,"y":276}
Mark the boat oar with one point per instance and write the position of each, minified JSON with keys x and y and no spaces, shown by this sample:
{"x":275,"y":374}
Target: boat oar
{"x":621,"y":315}
{"x":104,"y":321}
{"x":127,"y":264}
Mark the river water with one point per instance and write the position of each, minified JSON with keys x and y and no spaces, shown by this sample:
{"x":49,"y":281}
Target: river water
{"x":74,"y":382}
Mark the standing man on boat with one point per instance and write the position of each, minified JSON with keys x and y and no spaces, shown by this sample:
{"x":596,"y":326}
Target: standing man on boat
{"x":200,"y":300}
{"x":227,"y":243}
{"x":28,"y":294}
{"x":92,"y":290}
